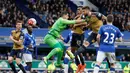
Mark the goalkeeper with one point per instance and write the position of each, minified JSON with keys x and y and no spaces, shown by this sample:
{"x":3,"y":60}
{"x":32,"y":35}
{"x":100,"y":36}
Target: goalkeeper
{"x":54,"y":34}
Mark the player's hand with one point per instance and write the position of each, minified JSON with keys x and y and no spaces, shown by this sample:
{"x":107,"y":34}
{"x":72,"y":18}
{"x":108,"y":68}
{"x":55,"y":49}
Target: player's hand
{"x":87,"y":25}
{"x":30,"y":48}
{"x":74,"y":26}
{"x":61,"y":37}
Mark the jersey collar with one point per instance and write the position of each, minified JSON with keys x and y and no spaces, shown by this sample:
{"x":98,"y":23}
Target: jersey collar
{"x":109,"y":23}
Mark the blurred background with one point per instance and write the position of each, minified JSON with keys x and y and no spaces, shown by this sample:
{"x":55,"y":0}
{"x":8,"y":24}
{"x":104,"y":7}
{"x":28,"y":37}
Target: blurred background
{"x":46,"y":13}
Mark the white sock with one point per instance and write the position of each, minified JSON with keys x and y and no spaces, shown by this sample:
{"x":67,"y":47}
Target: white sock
{"x":96,"y":69}
{"x":112,"y":71}
{"x":20,"y":71}
{"x":66,"y":68}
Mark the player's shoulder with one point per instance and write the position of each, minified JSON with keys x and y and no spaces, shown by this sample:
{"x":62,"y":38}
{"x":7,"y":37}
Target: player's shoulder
{"x":115,"y":27}
{"x":60,"y":18}
{"x":13,"y":31}
{"x":96,"y":13}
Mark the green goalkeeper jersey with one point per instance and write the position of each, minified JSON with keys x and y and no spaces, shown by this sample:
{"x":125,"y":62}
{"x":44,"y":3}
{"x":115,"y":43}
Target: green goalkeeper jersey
{"x":59,"y":26}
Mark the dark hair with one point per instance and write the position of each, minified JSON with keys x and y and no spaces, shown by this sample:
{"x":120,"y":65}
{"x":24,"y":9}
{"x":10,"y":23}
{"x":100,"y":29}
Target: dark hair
{"x":80,"y":7}
{"x":63,"y":13}
{"x":86,"y":7}
{"x":19,"y":21}
{"x":110,"y":18}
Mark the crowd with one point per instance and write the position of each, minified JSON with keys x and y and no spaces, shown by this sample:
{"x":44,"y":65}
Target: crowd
{"x":119,"y":8}
{"x":9,"y":13}
{"x":50,"y":10}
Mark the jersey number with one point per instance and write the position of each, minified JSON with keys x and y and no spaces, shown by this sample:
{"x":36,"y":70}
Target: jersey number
{"x":111,"y":38}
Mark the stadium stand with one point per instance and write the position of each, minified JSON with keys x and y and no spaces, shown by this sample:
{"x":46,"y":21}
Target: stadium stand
{"x":9,"y":13}
{"x":119,"y":8}
{"x":50,"y":10}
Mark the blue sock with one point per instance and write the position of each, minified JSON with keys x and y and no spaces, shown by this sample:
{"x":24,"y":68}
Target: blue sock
{"x":27,"y":68}
{"x":112,"y":69}
{"x":66,"y":62}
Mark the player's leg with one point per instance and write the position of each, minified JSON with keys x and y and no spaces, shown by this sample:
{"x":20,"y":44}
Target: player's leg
{"x":66,"y":61}
{"x":100,"y":57}
{"x":79,"y":56}
{"x":112,"y":59}
{"x":53,"y":43}
{"x":27,"y":58}
{"x":74,"y":46}
{"x":18,"y":60}
{"x":10,"y":60}
{"x":60,"y":54}
{"x":83,"y":66}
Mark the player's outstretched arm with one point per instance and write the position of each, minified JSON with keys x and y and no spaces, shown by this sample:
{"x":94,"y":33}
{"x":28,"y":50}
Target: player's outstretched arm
{"x":82,"y":24}
{"x":65,"y":21}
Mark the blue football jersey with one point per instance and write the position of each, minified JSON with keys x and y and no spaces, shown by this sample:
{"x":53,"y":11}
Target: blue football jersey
{"x":108,"y":33}
{"x":29,"y":40}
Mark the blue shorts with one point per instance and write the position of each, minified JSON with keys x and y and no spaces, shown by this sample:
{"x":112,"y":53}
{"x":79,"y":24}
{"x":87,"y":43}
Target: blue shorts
{"x":18,"y":53}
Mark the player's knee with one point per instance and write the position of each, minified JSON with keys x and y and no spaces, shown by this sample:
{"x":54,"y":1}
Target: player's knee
{"x":10,"y":59}
{"x":18,"y":61}
{"x":59,"y":50}
{"x":86,"y":43}
{"x":98,"y":63}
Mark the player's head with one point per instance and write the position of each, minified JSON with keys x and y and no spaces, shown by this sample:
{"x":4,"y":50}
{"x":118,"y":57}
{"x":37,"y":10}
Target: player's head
{"x":110,"y":18}
{"x":86,"y":10}
{"x":79,"y":10}
{"x":29,"y":29}
{"x":19,"y":24}
{"x":65,"y":15}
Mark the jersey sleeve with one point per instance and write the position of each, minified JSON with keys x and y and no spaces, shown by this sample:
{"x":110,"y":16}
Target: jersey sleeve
{"x":34,"y":41}
{"x":65,"y":21}
{"x":12,"y":32}
{"x":21,"y":36}
{"x":100,"y":30}
{"x":119,"y":34}
{"x":98,"y":15}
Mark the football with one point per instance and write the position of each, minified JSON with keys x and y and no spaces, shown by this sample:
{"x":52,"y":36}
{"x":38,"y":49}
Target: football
{"x":32,"y":21}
